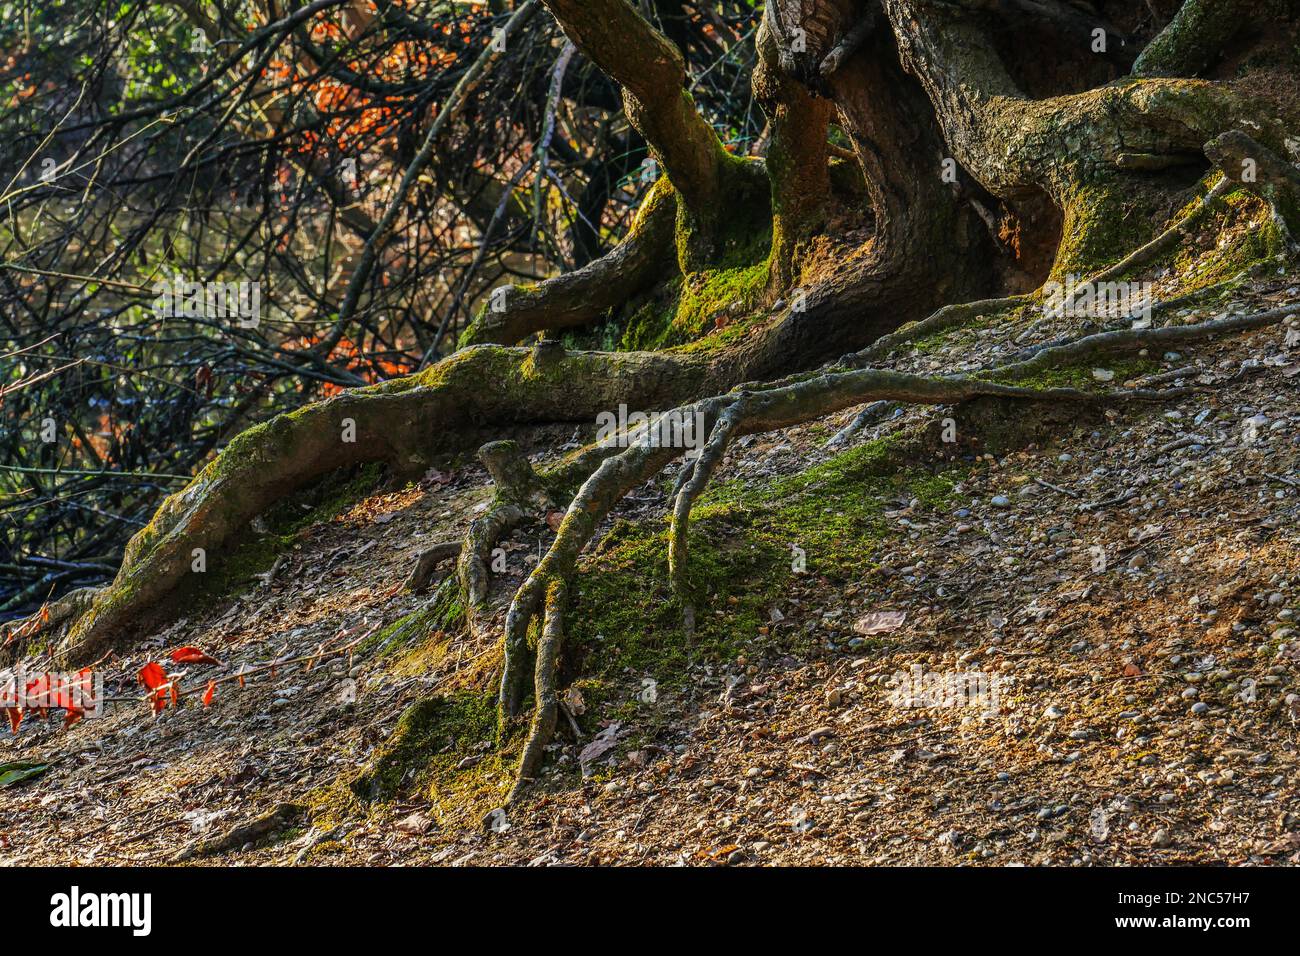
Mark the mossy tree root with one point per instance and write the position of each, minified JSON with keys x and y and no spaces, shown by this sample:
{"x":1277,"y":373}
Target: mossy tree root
{"x":1195,"y":37}
{"x":652,"y":74}
{"x":1097,"y":155}
{"x":700,"y":472}
{"x":517,"y":490}
{"x":798,"y":159}
{"x":403,"y":423}
{"x":757,"y":411}
{"x":1224,"y":150}
{"x":1171,"y":237}
{"x":647,"y":255}
{"x":546,"y":711}
{"x":1247,"y":162}
{"x":427,"y":563}
{"x":941,"y":320}
{"x":1121,"y":341}
{"x":617,"y":475}
{"x":750,"y":411}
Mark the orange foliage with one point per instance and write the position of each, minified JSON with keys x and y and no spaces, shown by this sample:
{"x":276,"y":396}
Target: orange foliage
{"x":347,"y":354}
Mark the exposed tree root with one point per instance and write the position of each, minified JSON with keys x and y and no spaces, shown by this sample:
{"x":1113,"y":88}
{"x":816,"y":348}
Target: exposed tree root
{"x":1079,"y":149}
{"x":750,"y":411}
{"x":1087,"y":153}
{"x":546,"y":710}
{"x":1194,"y":38}
{"x":1225,"y":150}
{"x":727,"y":417}
{"x":948,"y":317}
{"x":616,"y":476}
{"x":279,"y":818}
{"x":427,"y":562}
{"x":646,"y":256}
{"x":1261,"y":170}
{"x":402,"y":423}
{"x":873,"y":413}
{"x":1170,"y":237}
{"x":518,"y":490}
{"x":1133,"y":340}
{"x":700,"y":473}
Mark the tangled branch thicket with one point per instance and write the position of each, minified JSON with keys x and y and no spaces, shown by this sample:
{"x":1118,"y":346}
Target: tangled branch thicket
{"x":249,"y":142}
{"x":911,"y":159}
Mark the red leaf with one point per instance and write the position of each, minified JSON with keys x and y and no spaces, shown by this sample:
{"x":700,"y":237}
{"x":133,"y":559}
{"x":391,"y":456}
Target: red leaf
{"x":209,"y":693}
{"x":72,"y":716}
{"x":192,"y":655}
{"x":15,"y":715}
{"x":38,"y":690}
{"x":152,"y":675}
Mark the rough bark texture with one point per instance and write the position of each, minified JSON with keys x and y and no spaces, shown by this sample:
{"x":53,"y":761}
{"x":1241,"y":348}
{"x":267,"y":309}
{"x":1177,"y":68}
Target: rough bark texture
{"x":1194,"y":39}
{"x":797,"y":159}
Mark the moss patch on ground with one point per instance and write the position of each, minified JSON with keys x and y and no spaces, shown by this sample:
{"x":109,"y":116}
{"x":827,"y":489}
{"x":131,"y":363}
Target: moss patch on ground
{"x":442,"y":612}
{"x":445,"y":748}
{"x":624,"y":619}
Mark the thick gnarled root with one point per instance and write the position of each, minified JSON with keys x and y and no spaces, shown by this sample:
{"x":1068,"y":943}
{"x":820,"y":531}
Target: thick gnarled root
{"x":402,"y":423}
{"x":426,"y":564}
{"x":616,"y":476}
{"x":742,"y":413}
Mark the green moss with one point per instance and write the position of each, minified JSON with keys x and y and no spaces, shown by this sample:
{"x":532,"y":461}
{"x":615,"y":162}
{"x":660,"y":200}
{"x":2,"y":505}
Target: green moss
{"x":1254,"y":238}
{"x":728,"y":335}
{"x":708,"y":297}
{"x":442,"y":612}
{"x":695,"y":305}
{"x":1103,"y":224}
{"x":834,"y":511}
{"x":432,"y":737}
{"x":1080,"y":376}
{"x":1260,"y":240}
{"x":625,"y":619}
{"x":650,"y":323}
